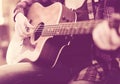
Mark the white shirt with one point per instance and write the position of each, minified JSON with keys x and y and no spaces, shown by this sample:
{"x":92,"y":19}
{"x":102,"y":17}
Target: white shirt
{"x":74,"y":4}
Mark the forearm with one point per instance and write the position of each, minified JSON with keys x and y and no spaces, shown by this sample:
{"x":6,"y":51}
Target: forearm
{"x":22,"y":6}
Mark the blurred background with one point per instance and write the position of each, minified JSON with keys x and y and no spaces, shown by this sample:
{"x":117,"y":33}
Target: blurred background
{"x":6,"y":26}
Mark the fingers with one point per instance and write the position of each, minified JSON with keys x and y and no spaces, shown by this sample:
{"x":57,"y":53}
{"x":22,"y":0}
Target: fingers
{"x":29,"y":28}
{"x":115,"y":38}
{"x":22,"y":27}
{"x":106,"y":38}
{"x":116,"y":16}
{"x":101,"y":36}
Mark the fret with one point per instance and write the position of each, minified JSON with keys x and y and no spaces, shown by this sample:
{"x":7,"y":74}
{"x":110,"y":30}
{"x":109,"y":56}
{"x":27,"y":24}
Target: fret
{"x":67,"y":28}
{"x":67,"y":31}
{"x":75,"y":30}
{"x":45,"y":31}
{"x":61,"y":31}
{"x":57,"y":30}
{"x":77,"y":27}
{"x":64,"y":31}
{"x":63,"y":27}
{"x":52,"y":30}
{"x":72,"y":28}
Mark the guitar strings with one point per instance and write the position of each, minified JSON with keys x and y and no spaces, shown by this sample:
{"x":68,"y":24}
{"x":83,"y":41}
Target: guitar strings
{"x":83,"y":24}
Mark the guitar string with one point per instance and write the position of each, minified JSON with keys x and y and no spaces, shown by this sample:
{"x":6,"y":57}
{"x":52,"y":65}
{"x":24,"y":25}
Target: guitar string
{"x":83,"y":27}
{"x":72,"y":25}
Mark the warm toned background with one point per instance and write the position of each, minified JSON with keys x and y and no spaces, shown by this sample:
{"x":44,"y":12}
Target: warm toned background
{"x":6,"y":26}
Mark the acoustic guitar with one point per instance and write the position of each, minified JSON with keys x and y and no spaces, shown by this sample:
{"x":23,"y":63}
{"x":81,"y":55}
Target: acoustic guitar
{"x":53,"y":27}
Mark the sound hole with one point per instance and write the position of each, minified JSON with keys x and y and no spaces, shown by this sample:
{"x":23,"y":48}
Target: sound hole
{"x":38,"y":31}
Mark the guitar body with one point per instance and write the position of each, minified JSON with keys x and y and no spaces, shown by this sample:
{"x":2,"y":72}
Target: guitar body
{"x":46,"y":49}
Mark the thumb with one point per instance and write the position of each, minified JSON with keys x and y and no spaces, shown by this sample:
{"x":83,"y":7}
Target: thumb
{"x":28,"y":24}
{"x":29,"y":28}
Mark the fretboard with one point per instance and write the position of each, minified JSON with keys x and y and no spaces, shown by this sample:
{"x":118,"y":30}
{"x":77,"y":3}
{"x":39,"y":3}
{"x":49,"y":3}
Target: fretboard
{"x":69,"y":28}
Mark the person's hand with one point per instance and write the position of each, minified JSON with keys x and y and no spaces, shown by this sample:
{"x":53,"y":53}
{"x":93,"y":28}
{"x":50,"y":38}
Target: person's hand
{"x":106,"y":38}
{"x":22,"y":26}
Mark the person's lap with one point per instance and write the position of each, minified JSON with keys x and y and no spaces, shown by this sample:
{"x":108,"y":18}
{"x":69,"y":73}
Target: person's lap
{"x":24,"y":73}
{"x":29,"y":73}
{"x":18,"y":72}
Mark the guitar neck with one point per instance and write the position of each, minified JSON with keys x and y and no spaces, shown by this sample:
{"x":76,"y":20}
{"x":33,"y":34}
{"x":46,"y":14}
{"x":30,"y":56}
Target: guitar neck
{"x":70,"y":28}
